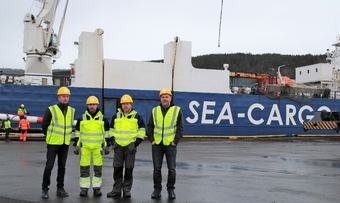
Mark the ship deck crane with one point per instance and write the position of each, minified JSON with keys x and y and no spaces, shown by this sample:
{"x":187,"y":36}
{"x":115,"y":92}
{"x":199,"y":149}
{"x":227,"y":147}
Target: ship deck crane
{"x":41,"y":43}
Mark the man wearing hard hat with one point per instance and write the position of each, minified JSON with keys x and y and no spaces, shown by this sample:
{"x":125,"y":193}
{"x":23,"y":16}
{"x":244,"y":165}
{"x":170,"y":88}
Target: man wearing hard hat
{"x":91,"y":131}
{"x":22,"y":110}
{"x":57,"y":127}
{"x":128,"y":130}
{"x":165,"y":128}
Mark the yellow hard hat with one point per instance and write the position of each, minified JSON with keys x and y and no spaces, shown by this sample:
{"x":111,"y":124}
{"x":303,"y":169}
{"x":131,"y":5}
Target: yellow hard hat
{"x":92,"y":100}
{"x":126,"y":99}
{"x":165,"y":91}
{"x":63,"y":90}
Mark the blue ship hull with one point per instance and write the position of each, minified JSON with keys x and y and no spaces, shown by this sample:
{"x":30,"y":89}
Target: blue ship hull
{"x":204,"y":114}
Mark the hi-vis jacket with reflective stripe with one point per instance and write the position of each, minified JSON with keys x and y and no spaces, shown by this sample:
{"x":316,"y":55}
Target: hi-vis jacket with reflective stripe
{"x":127,"y":128}
{"x":165,"y":126}
{"x":22,"y":111}
{"x":60,"y":129}
{"x":7,"y":124}
{"x":91,"y":130}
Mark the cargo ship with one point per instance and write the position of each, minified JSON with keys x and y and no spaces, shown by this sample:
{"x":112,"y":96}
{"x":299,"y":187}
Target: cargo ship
{"x":209,"y":105}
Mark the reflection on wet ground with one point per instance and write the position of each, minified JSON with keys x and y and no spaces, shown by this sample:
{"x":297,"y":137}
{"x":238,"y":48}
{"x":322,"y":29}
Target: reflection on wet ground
{"x":207,"y":171}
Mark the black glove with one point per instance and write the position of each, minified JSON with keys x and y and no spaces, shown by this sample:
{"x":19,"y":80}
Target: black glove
{"x":75,"y":141}
{"x":111,"y":140}
{"x":138,"y":141}
{"x":106,"y":151}
{"x":76,"y":151}
{"x":108,"y":142}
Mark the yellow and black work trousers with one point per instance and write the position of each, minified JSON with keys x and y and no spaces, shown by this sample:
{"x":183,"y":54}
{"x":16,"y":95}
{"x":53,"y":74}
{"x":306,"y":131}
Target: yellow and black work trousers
{"x":86,"y":180}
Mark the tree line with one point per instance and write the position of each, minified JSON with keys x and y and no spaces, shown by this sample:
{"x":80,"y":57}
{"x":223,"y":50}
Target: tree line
{"x":257,"y":63}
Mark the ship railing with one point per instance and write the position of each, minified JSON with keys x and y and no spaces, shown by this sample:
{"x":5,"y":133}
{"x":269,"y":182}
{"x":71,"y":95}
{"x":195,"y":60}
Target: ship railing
{"x":59,"y":79}
{"x":300,"y":94}
{"x":335,"y":95}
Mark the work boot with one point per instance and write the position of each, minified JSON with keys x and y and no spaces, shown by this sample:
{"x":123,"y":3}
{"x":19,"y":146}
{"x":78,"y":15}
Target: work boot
{"x":44,"y":194}
{"x":156,"y":194}
{"x":114,"y":195}
{"x":61,"y":192}
{"x":97,"y":192}
{"x":83,"y":192}
{"x":126,"y":194}
{"x":171,"y":194}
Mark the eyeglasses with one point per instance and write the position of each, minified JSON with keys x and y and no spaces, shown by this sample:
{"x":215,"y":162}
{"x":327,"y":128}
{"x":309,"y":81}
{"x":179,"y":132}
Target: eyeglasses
{"x":92,"y":104}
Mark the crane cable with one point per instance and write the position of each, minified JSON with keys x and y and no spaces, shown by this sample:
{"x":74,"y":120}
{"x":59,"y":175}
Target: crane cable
{"x":219,"y":27}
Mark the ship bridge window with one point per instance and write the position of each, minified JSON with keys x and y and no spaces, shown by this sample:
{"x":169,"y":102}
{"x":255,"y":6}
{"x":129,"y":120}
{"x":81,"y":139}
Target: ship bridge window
{"x":307,"y":71}
{"x":316,"y":69}
{"x":300,"y":72}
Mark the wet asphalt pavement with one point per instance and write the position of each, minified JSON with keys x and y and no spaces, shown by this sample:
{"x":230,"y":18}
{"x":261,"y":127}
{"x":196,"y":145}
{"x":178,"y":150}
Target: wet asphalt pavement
{"x":207,"y":171}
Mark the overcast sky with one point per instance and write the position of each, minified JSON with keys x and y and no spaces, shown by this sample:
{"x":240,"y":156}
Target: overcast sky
{"x":138,"y":29}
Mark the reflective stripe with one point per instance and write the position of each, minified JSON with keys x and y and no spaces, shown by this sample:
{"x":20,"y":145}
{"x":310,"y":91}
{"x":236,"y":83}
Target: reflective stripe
{"x":96,"y":181}
{"x":141,"y":129}
{"x":123,"y":138}
{"x":128,"y":132}
{"x":56,"y":117}
{"x":164,"y":135}
{"x":101,"y":118}
{"x":165,"y":128}
{"x":155,"y":115}
{"x":91,"y":134}
{"x":94,"y":185}
{"x":85,"y":182}
{"x":173,"y":116}
{"x":140,"y":136}
{"x":83,"y":179}
{"x":62,"y":126}
{"x":91,"y":141}
{"x":83,"y":185}
{"x":111,"y":132}
{"x":56,"y":132}
{"x":84,"y":117}
{"x":72,"y":117}
{"x":107,"y":134}
{"x":119,"y":115}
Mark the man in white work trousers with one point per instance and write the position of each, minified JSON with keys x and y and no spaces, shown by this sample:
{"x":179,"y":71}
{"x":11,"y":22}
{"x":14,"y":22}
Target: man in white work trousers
{"x":91,"y":131}
{"x":128,"y":130}
{"x":165,"y":129}
{"x":57,"y":127}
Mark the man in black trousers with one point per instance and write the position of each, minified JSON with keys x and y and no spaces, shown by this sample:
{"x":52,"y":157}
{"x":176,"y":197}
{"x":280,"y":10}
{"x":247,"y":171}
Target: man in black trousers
{"x":165,"y":129}
{"x":57,"y":127}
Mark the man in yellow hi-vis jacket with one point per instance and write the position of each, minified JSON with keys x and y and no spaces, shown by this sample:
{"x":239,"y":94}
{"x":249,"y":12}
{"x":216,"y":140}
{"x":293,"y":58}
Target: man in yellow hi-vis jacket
{"x":91,"y":131}
{"x":57,"y":127}
{"x":165,"y":129}
{"x":128,"y":130}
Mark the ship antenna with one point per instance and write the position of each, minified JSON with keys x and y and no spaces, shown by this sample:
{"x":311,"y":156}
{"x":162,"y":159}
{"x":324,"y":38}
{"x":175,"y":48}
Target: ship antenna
{"x":174,"y":64}
{"x":220,"y":25}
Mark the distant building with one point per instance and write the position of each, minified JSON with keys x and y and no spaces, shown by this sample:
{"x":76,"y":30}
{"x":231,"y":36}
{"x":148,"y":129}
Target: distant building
{"x":320,"y":75}
{"x":61,"y":77}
